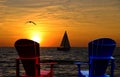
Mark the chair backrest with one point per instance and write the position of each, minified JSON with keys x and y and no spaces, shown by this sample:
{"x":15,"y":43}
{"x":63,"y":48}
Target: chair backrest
{"x":100,"y":48}
{"x":28,"y":49}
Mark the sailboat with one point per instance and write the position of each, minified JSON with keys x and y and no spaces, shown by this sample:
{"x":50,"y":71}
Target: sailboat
{"x":65,"y":44}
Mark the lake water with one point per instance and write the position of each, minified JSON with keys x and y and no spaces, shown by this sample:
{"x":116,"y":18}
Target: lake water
{"x":8,"y":56}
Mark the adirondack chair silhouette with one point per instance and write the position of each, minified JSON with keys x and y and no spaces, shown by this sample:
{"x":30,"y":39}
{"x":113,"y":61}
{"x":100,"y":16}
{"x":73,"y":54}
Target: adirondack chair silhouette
{"x":28,"y":52}
{"x":100,"y":56}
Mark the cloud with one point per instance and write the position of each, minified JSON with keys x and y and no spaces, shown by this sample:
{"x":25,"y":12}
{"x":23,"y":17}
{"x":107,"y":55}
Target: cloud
{"x":32,"y":3}
{"x":80,"y":11}
{"x":25,"y":7}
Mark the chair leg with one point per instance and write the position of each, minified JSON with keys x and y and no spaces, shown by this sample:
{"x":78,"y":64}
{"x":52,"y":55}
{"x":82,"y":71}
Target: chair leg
{"x":17,"y":68}
{"x":112,"y":67}
{"x":51,"y":73}
{"x":79,"y":71}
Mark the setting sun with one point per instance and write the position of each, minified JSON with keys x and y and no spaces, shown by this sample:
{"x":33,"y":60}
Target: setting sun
{"x":36,"y":38}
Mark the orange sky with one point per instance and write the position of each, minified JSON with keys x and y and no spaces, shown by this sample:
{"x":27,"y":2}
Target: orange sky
{"x":84,"y":20}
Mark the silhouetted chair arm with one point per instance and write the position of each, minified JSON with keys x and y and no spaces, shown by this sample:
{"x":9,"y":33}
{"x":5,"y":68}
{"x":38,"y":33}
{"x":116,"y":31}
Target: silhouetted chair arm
{"x":18,"y":63}
{"x":111,"y":63}
{"x":51,"y":66}
{"x":50,"y":63}
{"x":37,"y":64}
{"x":79,"y":67}
{"x":109,"y":58}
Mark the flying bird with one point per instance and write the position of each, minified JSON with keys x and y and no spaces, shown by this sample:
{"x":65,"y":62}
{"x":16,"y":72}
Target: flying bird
{"x":31,"y":22}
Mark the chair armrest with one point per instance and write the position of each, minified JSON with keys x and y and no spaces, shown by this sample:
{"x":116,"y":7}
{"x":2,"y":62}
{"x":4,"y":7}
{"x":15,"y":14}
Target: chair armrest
{"x":79,"y":67}
{"x":81,"y":63}
{"x":21,"y":58}
{"x":49,"y":63}
{"x":105,"y":58}
{"x":51,"y":66}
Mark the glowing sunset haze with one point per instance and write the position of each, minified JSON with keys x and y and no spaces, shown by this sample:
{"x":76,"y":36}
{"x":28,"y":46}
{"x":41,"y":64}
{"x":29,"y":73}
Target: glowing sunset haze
{"x":84,"y":20}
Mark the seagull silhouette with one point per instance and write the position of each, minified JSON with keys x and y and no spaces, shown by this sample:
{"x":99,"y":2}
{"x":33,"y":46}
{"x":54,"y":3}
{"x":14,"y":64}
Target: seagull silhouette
{"x":31,"y":22}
